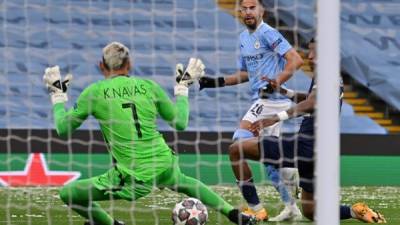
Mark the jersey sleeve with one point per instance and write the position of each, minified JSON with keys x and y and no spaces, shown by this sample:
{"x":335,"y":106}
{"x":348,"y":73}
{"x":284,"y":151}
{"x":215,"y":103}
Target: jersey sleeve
{"x":241,"y":63}
{"x":276,"y":42}
{"x":68,"y":121}
{"x":177,"y":115}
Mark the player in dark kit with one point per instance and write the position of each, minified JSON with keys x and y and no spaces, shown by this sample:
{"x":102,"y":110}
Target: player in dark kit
{"x":298,"y":151}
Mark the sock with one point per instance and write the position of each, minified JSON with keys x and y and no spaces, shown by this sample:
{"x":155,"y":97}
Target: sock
{"x":249,"y":192}
{"x":274,"y":176}
{"x":235,"y":216}
{"x":345,"y":212}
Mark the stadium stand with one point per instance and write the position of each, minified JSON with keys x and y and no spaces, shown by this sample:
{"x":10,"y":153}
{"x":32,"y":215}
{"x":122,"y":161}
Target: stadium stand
{"x":33,"y":38}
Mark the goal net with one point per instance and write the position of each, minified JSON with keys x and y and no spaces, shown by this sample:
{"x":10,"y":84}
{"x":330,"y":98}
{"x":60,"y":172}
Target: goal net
{"x":35,"y":34}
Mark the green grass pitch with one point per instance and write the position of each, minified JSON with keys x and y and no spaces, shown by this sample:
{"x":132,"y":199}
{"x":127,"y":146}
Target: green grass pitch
{"x":39,"y":206}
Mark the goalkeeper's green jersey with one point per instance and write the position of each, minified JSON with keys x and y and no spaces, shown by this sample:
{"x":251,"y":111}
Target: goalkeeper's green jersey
{"x":127,"y":109}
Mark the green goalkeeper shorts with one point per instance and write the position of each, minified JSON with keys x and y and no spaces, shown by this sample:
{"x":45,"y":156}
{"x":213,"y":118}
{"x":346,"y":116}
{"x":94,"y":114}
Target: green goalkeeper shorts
{"x":120,"y":186}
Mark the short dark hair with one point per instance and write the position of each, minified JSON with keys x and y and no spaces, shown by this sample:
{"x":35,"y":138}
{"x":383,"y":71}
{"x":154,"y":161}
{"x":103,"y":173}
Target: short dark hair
{"x":312,"y":40}
{"x":259,"y":1}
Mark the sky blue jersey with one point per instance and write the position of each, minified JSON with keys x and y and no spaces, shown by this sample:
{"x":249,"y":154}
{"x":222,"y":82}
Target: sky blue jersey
{"x":262,"y":54}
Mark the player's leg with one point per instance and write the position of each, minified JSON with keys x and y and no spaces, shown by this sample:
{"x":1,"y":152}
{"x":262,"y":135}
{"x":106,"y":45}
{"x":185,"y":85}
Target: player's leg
{"x":307,"y":204}
{"x":284,"y":179}
{"x":280,"y":153}
{"x":238,"y":153}
{"x":175,"y":180}
{"x":80,"y":196}
{"x":306,"y":167}
{"x":306,"y":171}
{"x":260,"y":109}
{"x":362,"y":212}
{"x":290,"y":211}
{"x":358,"y":211}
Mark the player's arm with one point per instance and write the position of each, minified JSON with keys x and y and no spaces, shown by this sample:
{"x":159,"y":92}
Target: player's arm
{"x":236,"y":78}
{"x":177,"y":115}
{"x":293,"y":95}
{"x":293,"y":63}
{"x":240,"y":76}
{"x":67,"y":122}
{"x":282,"y":47}
{"x":303,"y":107}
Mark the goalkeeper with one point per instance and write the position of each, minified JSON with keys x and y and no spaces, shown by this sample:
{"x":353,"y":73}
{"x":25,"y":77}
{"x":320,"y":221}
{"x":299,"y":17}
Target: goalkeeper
{"x":126,"y":108}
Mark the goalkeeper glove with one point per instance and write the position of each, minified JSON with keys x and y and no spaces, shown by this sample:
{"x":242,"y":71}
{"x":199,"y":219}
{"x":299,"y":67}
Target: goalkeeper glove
{"x":194,"y":71}
{"x":209,"y":82}
{"x":57,"y":88}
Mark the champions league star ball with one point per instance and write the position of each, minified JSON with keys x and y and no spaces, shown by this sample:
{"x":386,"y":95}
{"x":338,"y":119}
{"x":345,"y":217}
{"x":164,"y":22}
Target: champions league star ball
{"x":190,"y":211}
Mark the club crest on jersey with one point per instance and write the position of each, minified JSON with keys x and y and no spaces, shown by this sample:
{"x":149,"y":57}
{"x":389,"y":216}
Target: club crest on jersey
{"x":257,"y":44}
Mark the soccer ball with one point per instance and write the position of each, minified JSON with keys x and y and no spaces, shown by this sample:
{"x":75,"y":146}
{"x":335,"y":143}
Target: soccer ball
{"x":190,"y":211}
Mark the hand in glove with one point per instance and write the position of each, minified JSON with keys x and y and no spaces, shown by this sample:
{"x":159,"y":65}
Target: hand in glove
{"x":194,"y":71}
{"x":57,"y":88}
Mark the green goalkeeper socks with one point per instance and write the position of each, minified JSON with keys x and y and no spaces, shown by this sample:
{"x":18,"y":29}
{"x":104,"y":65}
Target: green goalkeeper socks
{"x":197,"y":189}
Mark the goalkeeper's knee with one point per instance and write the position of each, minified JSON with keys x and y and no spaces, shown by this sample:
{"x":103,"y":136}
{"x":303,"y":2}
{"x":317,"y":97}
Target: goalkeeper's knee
{"x":65,"y":195}
{"x":69,"y":194}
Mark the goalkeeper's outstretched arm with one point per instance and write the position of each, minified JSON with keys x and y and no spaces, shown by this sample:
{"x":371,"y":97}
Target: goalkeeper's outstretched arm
{"x":177,"y":115}
{"x":68,"y":121}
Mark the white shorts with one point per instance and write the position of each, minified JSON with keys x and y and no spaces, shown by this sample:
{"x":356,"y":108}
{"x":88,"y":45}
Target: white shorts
{"x":263,"y":108}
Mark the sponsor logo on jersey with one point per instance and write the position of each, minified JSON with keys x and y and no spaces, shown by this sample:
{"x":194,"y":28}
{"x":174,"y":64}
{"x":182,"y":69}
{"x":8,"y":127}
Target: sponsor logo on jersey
{"x":253,"y":57}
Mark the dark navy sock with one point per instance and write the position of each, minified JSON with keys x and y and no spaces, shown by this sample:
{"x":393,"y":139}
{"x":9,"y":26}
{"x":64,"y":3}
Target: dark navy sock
{"x":249,"y":191}
{"x":345,"y":212}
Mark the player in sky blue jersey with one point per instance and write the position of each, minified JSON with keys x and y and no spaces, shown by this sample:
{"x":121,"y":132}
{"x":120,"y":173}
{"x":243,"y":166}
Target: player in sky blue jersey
{"x":266,"y":57}
{"x":299,"y":151}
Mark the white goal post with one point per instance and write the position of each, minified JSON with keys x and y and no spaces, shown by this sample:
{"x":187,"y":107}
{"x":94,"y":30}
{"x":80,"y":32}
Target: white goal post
{"x":327,"y":136}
